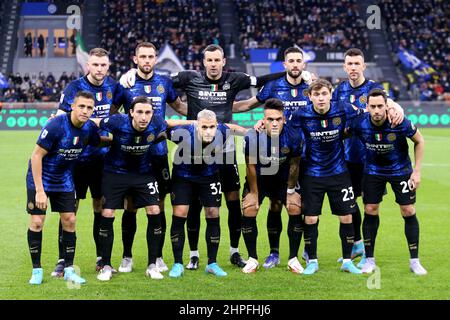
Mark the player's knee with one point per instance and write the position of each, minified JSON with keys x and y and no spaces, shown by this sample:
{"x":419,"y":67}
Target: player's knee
{"x":346,"y":219}
{"x":371,"y":209}
{"x":212,"y":212}
{"x":408,"y":210}
{"x":152,"y":210}
{"x":36,"y":224}
{"x":250,"y":212}
{"x":294,"y":210}
{"x":180,"y":211}
{"x":68,"y":222}
{"x":311,"y":219}
{"x":108,"y":213}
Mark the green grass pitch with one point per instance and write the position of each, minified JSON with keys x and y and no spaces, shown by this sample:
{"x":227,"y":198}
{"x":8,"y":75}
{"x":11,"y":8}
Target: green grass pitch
{"x":394,"y":281}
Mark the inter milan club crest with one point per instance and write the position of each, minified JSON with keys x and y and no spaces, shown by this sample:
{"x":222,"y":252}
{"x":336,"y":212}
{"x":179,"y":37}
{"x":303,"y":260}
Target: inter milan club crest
{"x":226,"y":86}
{"x":378,"y":136}
{"x":160,"y":89}
{"x":151,"y":137}
{"x":30,"y":205}
{"x":305,"y":92}
{"x":391,"y":137}
{"x":99,"y":96}
{"x":76,"y":140}
{"x":337,"y":121}
{"x":285,"y":150}
{"x":148,"y":88}
{"x":137,"y":140}
{"x":362,"y":99}
{"x":352,"y":98}
{"x":324,"y":123}
{"x":109,"y":95}
{"x":294,"y":93}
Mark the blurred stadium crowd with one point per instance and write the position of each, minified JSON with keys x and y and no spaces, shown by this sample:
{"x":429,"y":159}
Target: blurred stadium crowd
{"x":188,"y":26}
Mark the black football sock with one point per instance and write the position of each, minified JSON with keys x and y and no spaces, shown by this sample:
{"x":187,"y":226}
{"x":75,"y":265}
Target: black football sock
{"x":153,"y":236}
{"x":106,"y":237}
{"x":212,"y":238}
{"x":95,"y":230}
{"x":370,"y":230}
{"x":250,"y":234}
{"x":60,"y":241}
{"x":163,"y":234}
{"x":69,"y":240}
{"x":234,"y":222}
{"x":346,"y":233}
{"x":412,"y":235}
{"x":295,"y":230}
{"x":35,"y":247}
{"x":274,"y":227}
{"x":177,"y":237}
{"x":311,"y":233}
{"x":356,"y":220}
{"x":129,"y":227}
{"x":193,"y":224}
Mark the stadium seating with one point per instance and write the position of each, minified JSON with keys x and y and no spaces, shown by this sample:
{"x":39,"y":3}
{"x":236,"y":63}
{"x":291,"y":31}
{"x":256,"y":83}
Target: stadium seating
{"x":421,"y":27}
{"x":187,"y":25}
{"x":311,"y":24}
{"x":35,"y":87}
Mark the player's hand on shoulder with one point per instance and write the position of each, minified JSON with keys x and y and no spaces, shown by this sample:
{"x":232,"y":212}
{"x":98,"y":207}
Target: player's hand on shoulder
{"x":308,"y":77}
{"x":128,"y":79}
{"x":395,"y":117}
{"x":259,"y":126}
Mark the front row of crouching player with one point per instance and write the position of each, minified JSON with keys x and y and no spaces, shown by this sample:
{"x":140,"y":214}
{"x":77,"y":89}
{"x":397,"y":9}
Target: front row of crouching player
{"x":272,"y":164}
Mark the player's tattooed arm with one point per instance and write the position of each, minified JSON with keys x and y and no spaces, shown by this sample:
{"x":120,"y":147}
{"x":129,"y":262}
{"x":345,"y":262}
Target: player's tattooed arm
{"x":396,"y":113}
{"x":105,"y":141}
{"x":294,"y":168}
{"x":245,"y":105}
{"x":237,"y":130}
{"x":114,"y":109}
{"x":179,"y":106}
{"x":161,"y":137}
{"x":419,"y":147}
{"x":262,"y":80}
{"x":293,"y":200}
{"x":36,"y":169}
{"x":171,"y":123}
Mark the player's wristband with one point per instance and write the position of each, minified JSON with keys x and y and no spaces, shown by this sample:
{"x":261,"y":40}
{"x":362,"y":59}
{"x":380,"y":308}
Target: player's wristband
{"x":291,"y":191}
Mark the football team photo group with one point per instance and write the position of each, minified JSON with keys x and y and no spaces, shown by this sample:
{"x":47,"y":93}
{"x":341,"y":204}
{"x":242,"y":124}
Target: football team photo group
{"x":201,"y":147}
